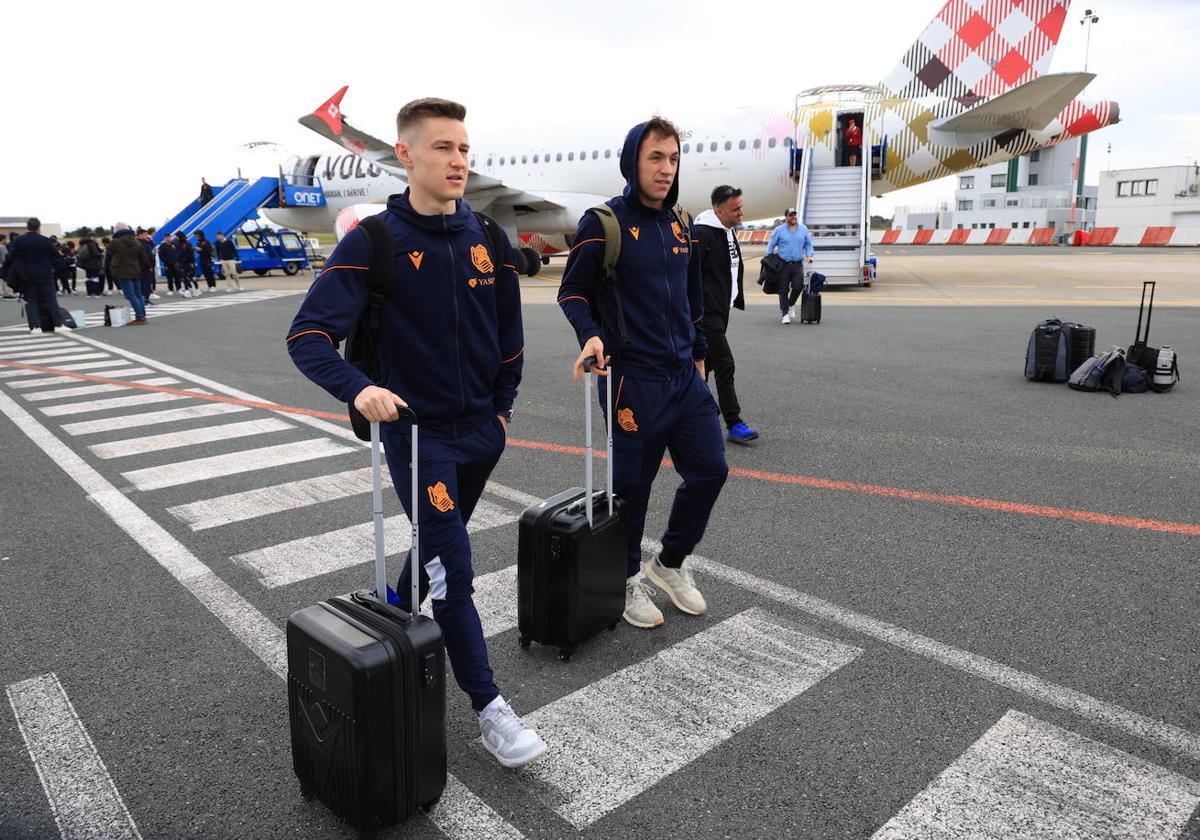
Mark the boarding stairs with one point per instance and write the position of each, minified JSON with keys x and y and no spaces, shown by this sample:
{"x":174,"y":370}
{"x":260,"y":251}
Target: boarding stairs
{"x":232,"y":206}
{"x":833,"y":206}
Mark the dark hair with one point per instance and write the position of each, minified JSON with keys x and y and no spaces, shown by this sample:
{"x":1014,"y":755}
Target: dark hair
{"x":723,"y":193}
{"x":661,"y":127}
{"x":420,"y":109}
{"x":34,"y":223}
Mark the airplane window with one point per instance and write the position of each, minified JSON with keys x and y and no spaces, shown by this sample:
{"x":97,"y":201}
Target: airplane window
{"x":757,"y":143}
{"x":595,"y":155}
{"x":501,"y":161}
{"x":787,"y":141}
{"x":687,"y":147}
{"x":524,"y":159}
{"x":489,"y":163}
{"x":712,"y":147}
{"x":570,"y":156}
{"x":607,"y":154}
{"x":472,"y":164}
{"x":741,"y":144}
{"x":583,"y":155}
{"x":513,"y":160}
{"x":535,"y":158}
{"x":728,"y":145}
{"x":771,"y":143}
{"x":558,"y":157}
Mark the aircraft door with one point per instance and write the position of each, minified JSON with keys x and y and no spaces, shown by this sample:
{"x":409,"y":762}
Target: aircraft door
{"x":848,"y":154}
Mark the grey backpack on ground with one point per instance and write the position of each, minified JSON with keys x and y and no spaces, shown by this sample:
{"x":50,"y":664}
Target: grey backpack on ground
{"x":1102,"y":372}
{"x":1046,"y":357}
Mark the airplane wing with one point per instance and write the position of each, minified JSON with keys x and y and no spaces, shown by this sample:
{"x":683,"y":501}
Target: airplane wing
{"x":1030,"y":107}
{"x":483,"y":192}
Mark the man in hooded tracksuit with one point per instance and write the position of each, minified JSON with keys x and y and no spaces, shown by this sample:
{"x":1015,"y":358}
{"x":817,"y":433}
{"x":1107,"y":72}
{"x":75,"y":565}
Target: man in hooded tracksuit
{"x":452,"y":349}
{"x":657,"y":352}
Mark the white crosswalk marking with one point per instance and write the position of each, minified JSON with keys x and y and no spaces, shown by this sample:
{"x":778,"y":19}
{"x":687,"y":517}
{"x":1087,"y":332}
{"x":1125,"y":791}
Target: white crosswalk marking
{"x":233,"y":463}
{"x":18,"y":346}
{"x":300,"y":559}
{"x":53,"y":361}
{"x":173,"y":440}
{"x":82,"y":796}
{"x":263,"y":501}
{"x":151,"y":418}
{"x":88,"y":406}
{"x":110,"y":363}
{"x":84,"y":390}
{"x":620,"y":735}
{"x":28,"y":356}
{"x":120,"y":373}
{"x":1030,"y":779}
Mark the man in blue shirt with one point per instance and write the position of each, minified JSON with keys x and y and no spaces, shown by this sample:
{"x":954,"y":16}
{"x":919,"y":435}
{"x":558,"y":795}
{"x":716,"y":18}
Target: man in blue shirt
{"x":794,"y":245}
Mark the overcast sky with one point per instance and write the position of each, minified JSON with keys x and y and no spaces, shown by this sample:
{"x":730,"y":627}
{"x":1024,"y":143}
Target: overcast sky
{"x":114,"y":112}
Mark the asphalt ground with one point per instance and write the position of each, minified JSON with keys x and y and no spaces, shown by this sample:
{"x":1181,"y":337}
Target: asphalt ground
{"x":907,"y":477}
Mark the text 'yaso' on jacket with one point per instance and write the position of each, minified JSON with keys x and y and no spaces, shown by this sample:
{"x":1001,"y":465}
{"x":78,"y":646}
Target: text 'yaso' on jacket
{"x":452,"y":342}
{"x":658,"y":279}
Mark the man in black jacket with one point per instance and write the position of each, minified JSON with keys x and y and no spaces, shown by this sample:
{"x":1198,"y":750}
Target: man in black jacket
{"x":124,"y":262}
{"x":227,"y":255}
{"x":721,"y":258}
{"x":34,"y":259}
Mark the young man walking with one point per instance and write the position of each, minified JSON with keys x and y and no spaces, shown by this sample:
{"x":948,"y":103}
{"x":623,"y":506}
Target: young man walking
{"x":794,"y":245}
{"x":452,"y":349}
{"x":721,"y":259}
{"x":228,"y":256}
{"x":651,"y":324}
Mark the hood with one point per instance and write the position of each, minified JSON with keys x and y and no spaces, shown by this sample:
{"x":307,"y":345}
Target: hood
{"x":709,"y":219}
{"x":629,"y":169}
{"x":126,"y":232}
{"x":441,"y":223}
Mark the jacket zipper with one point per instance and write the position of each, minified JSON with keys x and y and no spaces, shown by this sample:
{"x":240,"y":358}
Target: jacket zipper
{"x":667,"y":280}
{"x":462,"y":390}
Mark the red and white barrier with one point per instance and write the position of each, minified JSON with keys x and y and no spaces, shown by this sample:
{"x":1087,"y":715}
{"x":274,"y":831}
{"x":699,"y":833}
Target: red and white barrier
{"x":1146,"y":237}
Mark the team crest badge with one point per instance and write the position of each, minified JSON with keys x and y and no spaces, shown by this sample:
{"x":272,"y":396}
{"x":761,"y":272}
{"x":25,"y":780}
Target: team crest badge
{"x":625,"y":420}
{"x":439,"y":497}
{"x":481,"y":260}
{"x":677,"y":229}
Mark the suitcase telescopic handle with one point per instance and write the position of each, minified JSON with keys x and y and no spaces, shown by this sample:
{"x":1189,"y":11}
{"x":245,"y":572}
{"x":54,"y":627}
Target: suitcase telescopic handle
{"x":377,"y":494}
{"x":588,"y":364}
{"x":1138,"y":339}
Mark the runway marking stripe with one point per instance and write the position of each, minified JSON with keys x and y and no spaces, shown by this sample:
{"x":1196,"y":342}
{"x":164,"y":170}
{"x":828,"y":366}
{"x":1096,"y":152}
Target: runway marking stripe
{"x":20,"y":346}
{"x":296,"y":560}
{"x":173,"y":440}
{"x":233,"y":463}
{"x":63,"y":380}
{"x":652,"y":718}
{"x":149,"y":418}
{"x":66,"y":347}
{"x":1163,"y":526}
{"x":459,"y":813}
{"x":1031,"y":779}
{"x":85,"y":390}
{"x":65,"y":371}
{"x":72,"y":356}
{"x":89,"y":406}
{"x":82,"y":796}
{"x":264,"y":501}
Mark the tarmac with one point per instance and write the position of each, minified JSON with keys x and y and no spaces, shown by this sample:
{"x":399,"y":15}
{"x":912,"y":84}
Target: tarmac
{"x":944,"y":601}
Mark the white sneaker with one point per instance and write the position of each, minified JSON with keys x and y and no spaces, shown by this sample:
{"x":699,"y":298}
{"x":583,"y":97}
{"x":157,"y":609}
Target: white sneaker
{"x":787,"y":319}
{"x":678,"y":584}
{"x":640,"y":611}
{"x":792,"y":313}
{"x":155,"y":296}
{"x":35,"y":331}
{"x":506,"y":736}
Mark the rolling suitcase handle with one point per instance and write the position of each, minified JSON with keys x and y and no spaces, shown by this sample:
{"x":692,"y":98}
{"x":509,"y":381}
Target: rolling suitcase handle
{"x":381,"y":587}
{"x":1139,"y":339}
{"x":588,"y":364}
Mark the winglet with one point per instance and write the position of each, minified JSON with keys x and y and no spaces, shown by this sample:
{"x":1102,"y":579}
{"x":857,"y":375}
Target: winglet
{"x":330,"y":112}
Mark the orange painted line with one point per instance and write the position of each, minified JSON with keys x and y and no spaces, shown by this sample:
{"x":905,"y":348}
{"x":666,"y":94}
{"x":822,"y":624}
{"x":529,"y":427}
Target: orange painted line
{"x":1187,"y":529}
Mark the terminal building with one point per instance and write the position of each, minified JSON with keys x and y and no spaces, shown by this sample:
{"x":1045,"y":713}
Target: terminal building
{"x":1159,"y":196}
{"x":16,"y":224}
{"x":1030,"y":192}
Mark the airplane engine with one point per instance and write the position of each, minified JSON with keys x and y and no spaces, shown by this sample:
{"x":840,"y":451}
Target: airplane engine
{"x":349,"y":217}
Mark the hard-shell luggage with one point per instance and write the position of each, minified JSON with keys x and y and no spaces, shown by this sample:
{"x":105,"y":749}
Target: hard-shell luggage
{"x":367,"y":692}
{"x":1160,"y":364}
{"x":571,"y":557}
{"x":810,"y":307}
{"x":1046,"y":356}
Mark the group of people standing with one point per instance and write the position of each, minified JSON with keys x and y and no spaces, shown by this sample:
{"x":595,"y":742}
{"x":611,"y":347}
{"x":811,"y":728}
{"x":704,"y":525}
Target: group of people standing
{"x":180,"y":261}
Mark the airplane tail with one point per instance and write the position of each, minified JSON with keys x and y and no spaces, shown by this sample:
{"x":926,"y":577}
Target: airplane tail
{"x":976,"y":49}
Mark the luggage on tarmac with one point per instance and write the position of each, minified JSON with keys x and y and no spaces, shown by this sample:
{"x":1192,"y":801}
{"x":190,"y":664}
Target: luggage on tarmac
{"x":810,"y":299}
{"x":1103,"y":372}
{"x":1046,"y":356}
{"x":571,"y":556}
{"x":367,"y":692}
{"x":1160,"y":363}
{"x":1081,"y":344}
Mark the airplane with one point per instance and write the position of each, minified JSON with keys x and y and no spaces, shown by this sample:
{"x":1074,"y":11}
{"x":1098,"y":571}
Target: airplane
{"x":971,"y":91}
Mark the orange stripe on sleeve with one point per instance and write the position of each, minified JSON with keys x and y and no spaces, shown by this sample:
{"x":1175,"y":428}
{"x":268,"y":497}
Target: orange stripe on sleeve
{"x":698,"y":320}
{"x":292,"y":338}
{"x":514,"y":358}
{"x":586,"y":241}
{"x":355,"y":267}
{"x":574,"y":297}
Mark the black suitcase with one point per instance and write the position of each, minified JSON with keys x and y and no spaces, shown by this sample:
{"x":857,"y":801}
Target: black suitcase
{"x":367,"y":693}
{"x":810,"y":307}
{"x":571,"y":557}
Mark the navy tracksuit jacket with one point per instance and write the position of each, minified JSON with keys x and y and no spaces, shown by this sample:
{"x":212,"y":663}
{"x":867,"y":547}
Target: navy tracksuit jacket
{"x":661,"y":402}
{"x":452,"y":348}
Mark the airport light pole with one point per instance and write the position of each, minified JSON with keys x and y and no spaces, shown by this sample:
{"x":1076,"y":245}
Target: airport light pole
{"x":1089,"y":17}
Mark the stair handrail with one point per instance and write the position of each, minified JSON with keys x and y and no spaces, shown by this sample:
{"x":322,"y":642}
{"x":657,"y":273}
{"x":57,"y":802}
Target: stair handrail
{"x":806,"y":165}
{"x":249,"y":186}
{"x":864,"y":218}
{"x":222,"y":199}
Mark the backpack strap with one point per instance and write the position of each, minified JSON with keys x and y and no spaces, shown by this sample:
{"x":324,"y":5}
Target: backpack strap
{"x":612,"y":253}
{"x":379,"y":276}
{"x":495,"y":237}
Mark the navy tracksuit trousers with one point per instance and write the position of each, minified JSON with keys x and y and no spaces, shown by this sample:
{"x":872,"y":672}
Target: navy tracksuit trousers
{"x":454,"y":466}
{"x":675,"y":414}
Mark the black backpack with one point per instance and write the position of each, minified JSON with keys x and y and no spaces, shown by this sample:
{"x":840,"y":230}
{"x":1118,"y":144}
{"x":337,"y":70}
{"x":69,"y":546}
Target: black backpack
{"x":1046,"y":356}
{"x":363,"y":342}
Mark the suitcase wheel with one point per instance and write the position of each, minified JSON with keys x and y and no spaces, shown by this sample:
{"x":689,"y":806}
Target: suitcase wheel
{"x":564,"y":654}
{"x":525,"y":640}
{"x":612,"y":628}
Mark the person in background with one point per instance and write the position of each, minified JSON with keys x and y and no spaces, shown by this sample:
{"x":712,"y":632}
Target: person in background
{"x":206,"y":192}
{"x":146,"y":240}
{"x":170,"y":264}
{"x":104,"y":278}
{"x":794,"y":245}
{"x":853,"y":141}
{"x":185,"y":262}
{"x":35,"y":260}
{"x":124,"y":261}
{"x":228,"y":256}
{"x":90,"y":258}
{"x":204,"y":256}
{"x":4,"y":289}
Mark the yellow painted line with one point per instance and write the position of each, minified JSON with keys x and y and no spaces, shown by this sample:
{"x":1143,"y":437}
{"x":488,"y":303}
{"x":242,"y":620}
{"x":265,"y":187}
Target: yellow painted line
{"x":905,"y":285}
{"x":999,"y":286}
